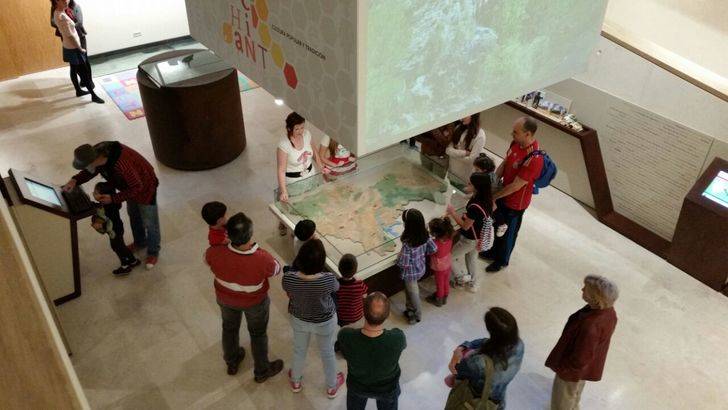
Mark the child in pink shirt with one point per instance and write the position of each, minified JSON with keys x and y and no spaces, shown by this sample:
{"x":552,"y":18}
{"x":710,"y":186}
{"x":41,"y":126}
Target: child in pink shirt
{"x":440,"y":261}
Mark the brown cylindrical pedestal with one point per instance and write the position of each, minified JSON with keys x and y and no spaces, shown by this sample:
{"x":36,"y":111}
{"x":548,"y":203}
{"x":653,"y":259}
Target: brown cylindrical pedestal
{"x":194,"y":124}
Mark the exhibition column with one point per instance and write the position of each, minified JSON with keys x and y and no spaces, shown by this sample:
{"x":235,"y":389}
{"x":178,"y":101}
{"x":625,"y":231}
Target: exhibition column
{"x":192,"y":103}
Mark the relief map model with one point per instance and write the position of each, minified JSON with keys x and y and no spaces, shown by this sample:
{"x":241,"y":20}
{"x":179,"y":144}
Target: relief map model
{"x":362,"y":213}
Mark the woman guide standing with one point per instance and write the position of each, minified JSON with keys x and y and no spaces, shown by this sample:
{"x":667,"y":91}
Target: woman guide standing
{"x":295,"y":156}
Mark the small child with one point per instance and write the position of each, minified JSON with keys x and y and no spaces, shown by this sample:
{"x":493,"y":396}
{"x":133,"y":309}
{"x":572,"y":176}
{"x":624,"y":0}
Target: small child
{"x":440,"y":262}
{"x":214,"y":215}
{"x":351,"y":293}
{"x":483,"y":163}
{"x":108,"y":221}
{"x":304,"y":230}
{"x":416,"y":245}
{"x":336,"y":157}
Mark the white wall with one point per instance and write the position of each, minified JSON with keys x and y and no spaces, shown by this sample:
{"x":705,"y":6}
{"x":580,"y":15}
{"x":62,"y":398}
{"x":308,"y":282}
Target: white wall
{"x":111,"y":24}
{"x":694,"y":29}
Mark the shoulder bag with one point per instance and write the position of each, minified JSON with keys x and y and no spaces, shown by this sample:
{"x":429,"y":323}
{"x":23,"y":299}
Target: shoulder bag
{"x":461,"y":396}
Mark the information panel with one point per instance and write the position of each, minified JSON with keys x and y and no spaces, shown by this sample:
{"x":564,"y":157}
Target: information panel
{"x":651,"y":164}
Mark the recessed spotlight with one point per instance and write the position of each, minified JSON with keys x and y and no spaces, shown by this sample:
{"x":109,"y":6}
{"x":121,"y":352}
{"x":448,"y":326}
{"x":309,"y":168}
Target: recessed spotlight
{"x":278,"y":101}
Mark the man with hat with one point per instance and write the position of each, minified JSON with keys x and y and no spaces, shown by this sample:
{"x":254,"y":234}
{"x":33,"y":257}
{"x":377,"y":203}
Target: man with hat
{"x":136,"y":183}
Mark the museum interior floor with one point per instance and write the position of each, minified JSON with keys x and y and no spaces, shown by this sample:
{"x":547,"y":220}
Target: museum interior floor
{"x":152,"y":340}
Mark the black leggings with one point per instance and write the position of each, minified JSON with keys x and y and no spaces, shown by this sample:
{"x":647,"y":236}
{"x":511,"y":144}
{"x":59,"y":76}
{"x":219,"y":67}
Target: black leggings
{"x":82,"y":72}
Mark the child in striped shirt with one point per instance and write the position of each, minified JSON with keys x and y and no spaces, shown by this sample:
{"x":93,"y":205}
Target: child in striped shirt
{"x":350,"y":297}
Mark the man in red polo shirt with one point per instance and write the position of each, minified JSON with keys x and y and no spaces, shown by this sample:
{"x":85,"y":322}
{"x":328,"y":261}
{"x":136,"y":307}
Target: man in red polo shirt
{"x":241,"y":273}
{"x":518,"y":176}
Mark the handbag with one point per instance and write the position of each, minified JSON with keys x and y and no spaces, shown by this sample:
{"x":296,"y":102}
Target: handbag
{"x":461,"y":396}
{"x":487,"y":234}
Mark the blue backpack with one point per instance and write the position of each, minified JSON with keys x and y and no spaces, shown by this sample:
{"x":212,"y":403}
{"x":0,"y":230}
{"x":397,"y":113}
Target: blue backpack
{"x":548,"y":171}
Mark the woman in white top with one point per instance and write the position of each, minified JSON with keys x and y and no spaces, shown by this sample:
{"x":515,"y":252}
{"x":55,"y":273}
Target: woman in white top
{"x":295,"y":154}
{"x":73,"y":51}
{"x":467,"y":144}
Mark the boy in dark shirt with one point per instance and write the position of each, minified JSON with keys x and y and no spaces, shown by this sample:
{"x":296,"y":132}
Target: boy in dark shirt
{"x":303,"y":231}
{"x":108,"y":221}
{"x":214,"y":214}
{"x":351,"y":293}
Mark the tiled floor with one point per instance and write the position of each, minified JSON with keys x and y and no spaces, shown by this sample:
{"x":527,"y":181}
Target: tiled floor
{"x":151,"y":340}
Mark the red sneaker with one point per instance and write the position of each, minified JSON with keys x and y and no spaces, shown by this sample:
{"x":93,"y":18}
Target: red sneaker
{"x":150,"y":262}
{"x":331,"y":393}
{"x":295,"y":386}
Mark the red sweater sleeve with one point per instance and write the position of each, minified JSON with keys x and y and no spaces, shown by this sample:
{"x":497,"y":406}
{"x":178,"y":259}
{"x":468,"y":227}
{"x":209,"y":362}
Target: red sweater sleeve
{"x":84,"y":176}
{"x":134,"y":184}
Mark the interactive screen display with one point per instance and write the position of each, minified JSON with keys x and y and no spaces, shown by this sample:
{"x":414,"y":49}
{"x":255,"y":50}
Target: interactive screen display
{"x":431,"y":62}
{"x":717,"y":191}
{"x":43,"y":192}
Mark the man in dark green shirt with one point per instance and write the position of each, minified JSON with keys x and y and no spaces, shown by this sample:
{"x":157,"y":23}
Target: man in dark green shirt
{"x":372,"y":354}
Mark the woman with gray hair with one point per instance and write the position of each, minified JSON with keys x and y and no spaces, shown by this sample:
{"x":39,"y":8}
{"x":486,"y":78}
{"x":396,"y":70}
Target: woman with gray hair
{"x":580,"y":353}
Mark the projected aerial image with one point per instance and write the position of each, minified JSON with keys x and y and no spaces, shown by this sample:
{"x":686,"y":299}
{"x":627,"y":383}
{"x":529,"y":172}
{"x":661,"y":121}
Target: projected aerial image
{"x":428,"y":61}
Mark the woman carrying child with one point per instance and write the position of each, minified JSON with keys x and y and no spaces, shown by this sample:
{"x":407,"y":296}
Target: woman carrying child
{"x":440,"y":261}
{"x":477,"y":211}
{"x":416,"y":246}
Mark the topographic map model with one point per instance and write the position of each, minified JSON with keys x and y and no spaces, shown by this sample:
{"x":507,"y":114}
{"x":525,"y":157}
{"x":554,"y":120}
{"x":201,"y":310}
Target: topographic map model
{"x":362,"y":213}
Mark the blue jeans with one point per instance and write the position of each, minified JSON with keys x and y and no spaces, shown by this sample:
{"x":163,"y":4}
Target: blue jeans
{"x":144,"y":221}
{"x":503,"y":246}
{"x":385,"y":401}
{"x":325,"y":337}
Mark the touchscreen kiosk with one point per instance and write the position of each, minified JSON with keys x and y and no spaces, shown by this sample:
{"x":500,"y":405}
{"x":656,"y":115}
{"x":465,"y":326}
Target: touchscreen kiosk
{"x":48,"y":227}
{"x":700,"y":244}
{"x":43,"y":192}
{"x":717,"y":191}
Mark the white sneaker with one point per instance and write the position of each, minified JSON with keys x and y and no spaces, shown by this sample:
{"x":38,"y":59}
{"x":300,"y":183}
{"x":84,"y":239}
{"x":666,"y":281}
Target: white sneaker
{"x":501,"y":230}
{"x":472,"y":287}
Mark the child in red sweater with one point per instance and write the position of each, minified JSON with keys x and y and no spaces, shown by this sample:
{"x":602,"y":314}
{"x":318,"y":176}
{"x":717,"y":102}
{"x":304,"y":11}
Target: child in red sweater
{"x":214,"y":214}
{"x":440,"y":261}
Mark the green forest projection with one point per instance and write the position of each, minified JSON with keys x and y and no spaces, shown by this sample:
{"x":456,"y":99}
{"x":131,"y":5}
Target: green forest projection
{"x":430,"y":60}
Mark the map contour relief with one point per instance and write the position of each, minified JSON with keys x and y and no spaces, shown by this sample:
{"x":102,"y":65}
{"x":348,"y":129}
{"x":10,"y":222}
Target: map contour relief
{"x":361,"y":214}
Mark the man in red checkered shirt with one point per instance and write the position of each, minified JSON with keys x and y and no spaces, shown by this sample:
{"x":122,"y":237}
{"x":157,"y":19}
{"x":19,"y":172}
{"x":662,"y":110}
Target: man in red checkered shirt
{"x":136,"y":182}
